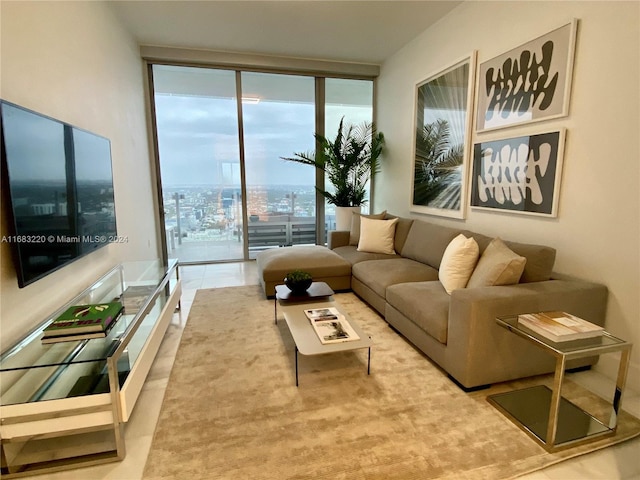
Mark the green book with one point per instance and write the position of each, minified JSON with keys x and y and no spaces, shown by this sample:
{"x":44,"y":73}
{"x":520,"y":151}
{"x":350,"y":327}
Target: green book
{"x":79,"y":319}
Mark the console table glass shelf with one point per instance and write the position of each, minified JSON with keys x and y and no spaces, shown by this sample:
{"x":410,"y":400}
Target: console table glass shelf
{"x":68,"y":400}
{"x":543,"y":413}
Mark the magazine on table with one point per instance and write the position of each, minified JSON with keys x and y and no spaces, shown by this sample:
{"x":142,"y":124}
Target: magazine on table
{"x":323,"y":314}
{"x":331,"y":326}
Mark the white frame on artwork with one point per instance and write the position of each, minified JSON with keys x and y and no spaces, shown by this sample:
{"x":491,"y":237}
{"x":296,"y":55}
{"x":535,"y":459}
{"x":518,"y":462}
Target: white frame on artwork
{"x":466,"y":123}
{"x":528,"y":186}
{"x":561,"y":59}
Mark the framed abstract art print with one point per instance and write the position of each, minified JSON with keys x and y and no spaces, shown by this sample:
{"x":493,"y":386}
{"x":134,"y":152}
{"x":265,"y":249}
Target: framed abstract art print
{"x":529,"y":83}
{"x":442,"y":140}
{"x":519,"y":174}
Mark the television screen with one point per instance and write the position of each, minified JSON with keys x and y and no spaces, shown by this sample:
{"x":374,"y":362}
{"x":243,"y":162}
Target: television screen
{"x":60,"y":185}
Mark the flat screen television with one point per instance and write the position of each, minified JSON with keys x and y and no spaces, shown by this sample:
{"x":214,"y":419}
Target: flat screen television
{"x":59,"y":196}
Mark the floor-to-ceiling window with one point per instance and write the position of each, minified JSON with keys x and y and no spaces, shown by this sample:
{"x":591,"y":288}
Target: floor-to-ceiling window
{"x":278,"y":116}
{"x":197,"y":132}
{"x":226,"y":192}
{"x":352,"y":102}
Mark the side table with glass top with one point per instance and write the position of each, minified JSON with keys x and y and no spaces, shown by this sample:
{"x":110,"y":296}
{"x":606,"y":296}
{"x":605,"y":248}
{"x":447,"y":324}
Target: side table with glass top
{"x":543,"y":413}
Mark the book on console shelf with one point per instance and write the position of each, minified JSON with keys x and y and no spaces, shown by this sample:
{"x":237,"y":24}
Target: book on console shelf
{"x":77,"y":337}
{"x":331,"y":326}
{"x":560,"y":326}
{"x":93,"y":319}
{"x":134,"y":297}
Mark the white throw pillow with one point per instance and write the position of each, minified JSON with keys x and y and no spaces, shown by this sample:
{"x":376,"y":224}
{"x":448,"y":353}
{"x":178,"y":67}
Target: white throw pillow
{"x":376,"y":236}
{"x":458,"y":262}
{"x":498,"y":265}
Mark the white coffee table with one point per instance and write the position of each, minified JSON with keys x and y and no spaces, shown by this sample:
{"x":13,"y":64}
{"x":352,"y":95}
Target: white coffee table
{"x":305,"y":338}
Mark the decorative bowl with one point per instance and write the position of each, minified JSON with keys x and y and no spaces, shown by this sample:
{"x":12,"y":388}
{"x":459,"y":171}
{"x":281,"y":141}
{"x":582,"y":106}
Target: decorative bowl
{"x":298,"y":281}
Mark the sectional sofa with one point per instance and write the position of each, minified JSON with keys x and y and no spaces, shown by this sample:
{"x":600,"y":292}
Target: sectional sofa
{"x":457,"y":329}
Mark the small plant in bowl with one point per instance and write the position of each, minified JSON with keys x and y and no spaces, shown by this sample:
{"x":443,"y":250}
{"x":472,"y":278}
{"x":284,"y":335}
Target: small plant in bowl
{"x":298,"y":281}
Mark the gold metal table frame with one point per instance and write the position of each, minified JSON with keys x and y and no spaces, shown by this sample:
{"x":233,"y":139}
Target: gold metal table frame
{"x":543,"y":413}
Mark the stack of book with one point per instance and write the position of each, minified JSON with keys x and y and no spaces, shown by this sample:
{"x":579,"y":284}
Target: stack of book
{"x":559,"y":326}
{"x":331,"y":326}
{"x":81,"y":322}
{"x":134,"y":297}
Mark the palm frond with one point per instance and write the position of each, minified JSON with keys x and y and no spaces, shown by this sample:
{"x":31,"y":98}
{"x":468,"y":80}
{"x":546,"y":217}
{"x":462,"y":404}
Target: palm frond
{"x":350,"y":161}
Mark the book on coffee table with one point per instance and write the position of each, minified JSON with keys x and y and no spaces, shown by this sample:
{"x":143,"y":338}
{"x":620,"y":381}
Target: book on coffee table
{"x":331,"y":326}
{"x":559,"y":326}
{"x":323,"y":314}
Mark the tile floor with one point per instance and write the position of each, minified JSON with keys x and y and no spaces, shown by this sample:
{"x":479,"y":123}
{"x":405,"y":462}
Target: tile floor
{"x":618,"y":462}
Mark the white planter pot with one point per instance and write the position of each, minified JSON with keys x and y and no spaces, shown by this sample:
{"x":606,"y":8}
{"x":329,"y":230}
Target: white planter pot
{"x":343,"y":217}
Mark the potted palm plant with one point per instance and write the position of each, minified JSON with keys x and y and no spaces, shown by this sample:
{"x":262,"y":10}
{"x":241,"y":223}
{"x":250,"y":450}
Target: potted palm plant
{"x":349,"y":162}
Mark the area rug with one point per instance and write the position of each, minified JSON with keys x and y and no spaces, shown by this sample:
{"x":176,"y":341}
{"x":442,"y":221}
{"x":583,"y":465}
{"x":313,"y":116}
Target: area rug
{"x":232,"y":410}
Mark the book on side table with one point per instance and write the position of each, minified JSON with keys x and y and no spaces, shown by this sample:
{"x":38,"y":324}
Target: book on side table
{"x":331,"y":326}
{"x":83,"y":321}
{"x":560,"y":326}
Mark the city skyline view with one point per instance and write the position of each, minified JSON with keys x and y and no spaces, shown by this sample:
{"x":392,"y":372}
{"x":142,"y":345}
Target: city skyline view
{"x":200,"y":138}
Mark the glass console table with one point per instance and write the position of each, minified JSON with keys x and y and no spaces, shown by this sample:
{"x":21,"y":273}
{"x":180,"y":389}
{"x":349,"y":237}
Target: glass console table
{"x":543,"y":413}
{"x":65,"y":403}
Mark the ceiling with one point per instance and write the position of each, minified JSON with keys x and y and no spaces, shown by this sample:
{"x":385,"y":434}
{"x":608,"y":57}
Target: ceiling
{"x":355,"y":31}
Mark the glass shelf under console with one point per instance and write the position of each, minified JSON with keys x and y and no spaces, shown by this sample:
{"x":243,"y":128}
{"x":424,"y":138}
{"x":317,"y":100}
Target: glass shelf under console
{"x":32,"y":371}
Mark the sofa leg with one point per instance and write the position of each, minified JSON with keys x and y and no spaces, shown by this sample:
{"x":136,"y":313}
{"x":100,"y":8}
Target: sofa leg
{"x":468,"y":389}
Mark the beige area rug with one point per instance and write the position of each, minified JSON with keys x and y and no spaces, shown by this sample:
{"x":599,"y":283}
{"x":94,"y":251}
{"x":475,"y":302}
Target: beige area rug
{"x":232,"y":410}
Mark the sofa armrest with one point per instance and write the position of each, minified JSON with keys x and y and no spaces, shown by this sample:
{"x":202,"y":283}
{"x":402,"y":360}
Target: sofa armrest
{"x":338,"y":238}
{"x":483,"y":350}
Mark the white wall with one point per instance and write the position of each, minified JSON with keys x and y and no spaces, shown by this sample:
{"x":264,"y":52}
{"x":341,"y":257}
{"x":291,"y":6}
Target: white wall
{"x":597,"y":231}
{"x":73,"y":61}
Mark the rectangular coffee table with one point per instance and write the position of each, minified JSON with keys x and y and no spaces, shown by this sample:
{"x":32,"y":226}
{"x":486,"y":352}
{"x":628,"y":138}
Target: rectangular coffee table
{"x":305,"y":338}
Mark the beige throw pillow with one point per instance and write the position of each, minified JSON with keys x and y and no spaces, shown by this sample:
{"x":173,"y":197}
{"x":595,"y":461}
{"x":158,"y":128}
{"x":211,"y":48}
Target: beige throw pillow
{"x":354,"y":234}
{"x":498,"y":265}
{"x":376,"y":236}
{"x":459,"y":260}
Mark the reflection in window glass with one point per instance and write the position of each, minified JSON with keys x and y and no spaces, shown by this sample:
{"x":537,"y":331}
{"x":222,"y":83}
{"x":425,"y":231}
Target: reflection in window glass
{"x":353,"y":100}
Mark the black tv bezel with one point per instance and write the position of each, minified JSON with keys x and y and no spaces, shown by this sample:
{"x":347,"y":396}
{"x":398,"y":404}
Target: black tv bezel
{"x":7,"y":199}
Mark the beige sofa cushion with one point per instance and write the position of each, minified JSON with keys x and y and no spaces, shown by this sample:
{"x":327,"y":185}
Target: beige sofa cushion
{"x":498,"y":265}
{"x":376,"y":236}
{"x":402,"y":230}
{"x":410,"y":300}
{"x":353,"y":256}
{"x":379,"y":274}
{"x":427,"y":242}
{"x":354,"y":233}
{"x":458,"y":261}
{"x":540,"y":260}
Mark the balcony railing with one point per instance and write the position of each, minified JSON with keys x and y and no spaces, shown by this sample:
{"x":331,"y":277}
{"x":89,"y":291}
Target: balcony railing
{"x":263,"y":233}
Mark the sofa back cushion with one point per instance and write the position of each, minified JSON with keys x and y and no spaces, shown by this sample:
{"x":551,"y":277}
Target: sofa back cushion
{"x":402,"y":230}
{"x":540,"y":260}
{"x":426,"y":242}
{"x":354,"y":233}
{"x":498,"y":265}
